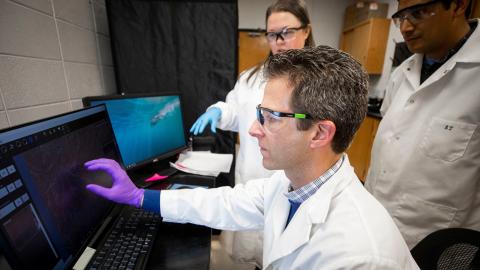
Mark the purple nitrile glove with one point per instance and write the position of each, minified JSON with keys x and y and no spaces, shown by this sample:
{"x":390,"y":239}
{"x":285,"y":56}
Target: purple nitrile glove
{"x":123,"y":189}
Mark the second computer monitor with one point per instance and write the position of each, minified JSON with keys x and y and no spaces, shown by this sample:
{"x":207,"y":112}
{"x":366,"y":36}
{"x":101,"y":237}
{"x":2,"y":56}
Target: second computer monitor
{"x":147,"y":127}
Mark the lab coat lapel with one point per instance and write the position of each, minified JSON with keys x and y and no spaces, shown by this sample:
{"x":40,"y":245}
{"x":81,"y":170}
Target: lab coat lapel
{"x":278,"y":218}
{"x":311,"y":213}
{"x":412,"y":71}
{"x":438,"y":74}
{"x":295,"y":235}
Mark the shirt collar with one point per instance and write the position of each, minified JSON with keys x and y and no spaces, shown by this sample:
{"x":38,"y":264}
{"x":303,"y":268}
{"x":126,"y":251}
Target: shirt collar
{"x":302,"y":194}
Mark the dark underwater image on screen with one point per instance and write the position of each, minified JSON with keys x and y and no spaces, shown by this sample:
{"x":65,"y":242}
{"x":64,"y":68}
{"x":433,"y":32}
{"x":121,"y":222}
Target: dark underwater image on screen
{"x":55,"y":177}
{"x":146,"y":127}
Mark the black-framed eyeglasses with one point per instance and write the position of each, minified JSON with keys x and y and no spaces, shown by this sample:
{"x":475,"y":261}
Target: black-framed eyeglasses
{"x":287,"y":33}
{"x":414,"y":14}
{"x":270,"y":119}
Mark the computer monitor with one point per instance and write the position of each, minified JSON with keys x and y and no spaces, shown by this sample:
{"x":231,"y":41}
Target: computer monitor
{"x":147,"y":127}
{"x":47,"y":216}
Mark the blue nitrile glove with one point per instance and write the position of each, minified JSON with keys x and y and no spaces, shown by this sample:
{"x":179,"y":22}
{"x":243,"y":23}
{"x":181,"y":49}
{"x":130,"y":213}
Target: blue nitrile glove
{"x":123,"y":189}
{"x":211,"y":116}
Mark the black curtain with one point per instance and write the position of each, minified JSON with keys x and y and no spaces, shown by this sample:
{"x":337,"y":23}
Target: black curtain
{"x":177,"y":46}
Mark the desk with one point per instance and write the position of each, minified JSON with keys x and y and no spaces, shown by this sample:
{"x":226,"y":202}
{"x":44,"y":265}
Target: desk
{"x":183,"y":178}
{"x":182,"y":246}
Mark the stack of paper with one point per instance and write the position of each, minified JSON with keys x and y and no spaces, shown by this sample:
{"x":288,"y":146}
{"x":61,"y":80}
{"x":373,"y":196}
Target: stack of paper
{"x":203,"y":163}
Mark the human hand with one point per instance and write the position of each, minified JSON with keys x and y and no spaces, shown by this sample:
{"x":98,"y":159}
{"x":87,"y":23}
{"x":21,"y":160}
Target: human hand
{"x":123,"y":190}
{"x":211,"y":116}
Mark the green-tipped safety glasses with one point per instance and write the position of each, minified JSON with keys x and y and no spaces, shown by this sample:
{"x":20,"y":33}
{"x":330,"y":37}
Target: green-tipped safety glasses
{"x":271,"y":119}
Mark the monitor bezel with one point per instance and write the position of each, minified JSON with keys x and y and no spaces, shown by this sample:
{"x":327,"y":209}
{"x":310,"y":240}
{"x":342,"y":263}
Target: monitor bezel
{"x":152,"y":160}
{"x":5,"y":245}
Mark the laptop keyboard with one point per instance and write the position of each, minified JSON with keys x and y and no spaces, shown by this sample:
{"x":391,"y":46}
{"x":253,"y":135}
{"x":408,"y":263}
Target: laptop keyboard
{"x":129,"y":242}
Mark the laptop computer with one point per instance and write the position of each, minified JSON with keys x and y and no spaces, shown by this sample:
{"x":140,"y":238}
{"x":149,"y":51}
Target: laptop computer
{"x":47,"y":216}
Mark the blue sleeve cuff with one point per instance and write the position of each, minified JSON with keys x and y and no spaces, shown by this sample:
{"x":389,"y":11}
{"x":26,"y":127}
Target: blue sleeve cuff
{"x":151,"y":201}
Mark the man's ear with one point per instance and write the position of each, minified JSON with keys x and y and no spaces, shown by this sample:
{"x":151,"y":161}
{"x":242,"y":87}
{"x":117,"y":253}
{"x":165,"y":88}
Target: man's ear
{"x":324,"y":131}
{"x":460,"y":7}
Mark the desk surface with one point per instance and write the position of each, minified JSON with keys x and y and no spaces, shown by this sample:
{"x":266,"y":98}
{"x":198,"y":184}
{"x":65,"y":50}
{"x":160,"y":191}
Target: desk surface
{"x":182,"y":246}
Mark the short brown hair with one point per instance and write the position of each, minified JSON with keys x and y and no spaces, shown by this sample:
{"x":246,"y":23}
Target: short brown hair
{"x":328,"y":84}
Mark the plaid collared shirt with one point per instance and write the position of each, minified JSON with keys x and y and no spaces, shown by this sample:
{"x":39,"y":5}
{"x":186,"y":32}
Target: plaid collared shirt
{"x":302,"y":194}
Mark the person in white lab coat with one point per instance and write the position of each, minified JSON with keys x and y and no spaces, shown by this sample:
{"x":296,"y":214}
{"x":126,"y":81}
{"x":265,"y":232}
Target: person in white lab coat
{"x":315,"y":212}
{"x":425,"y":165}
{"x":288,"y":27}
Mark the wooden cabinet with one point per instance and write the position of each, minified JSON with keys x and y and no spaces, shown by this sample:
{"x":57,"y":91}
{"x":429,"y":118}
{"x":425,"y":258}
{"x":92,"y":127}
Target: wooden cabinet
{"x":252,"y":48}
{"x":359,"y":150}
{"x":367,"y":42}
{"x":475,"y":13}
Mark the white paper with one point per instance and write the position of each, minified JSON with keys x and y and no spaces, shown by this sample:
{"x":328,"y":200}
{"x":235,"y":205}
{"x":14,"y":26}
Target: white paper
{"x":187,"y":170}
{"x":203,"y":163}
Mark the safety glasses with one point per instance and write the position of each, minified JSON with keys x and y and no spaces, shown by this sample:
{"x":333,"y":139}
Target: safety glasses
{"x":285,"y":34}
{"x":414,"y":14}
{"x":272,"y":120}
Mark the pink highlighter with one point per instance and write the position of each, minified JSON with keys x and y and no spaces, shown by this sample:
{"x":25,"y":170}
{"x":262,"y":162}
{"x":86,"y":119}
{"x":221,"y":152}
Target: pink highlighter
{"x":156,"y":177}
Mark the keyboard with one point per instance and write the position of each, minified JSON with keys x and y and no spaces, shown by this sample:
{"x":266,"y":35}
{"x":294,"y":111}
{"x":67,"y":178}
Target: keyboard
{"x":129,"y":242}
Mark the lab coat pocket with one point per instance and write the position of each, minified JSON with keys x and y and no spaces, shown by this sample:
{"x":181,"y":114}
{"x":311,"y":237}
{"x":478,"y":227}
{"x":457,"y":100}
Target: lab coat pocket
{"x":446,"y":140}
{"x":416,"y":218}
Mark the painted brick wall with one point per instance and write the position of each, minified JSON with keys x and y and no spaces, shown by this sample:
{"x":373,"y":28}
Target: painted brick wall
{"x":52,"y":53}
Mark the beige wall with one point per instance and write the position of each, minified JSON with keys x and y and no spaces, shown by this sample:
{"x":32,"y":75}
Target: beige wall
{"x":52,"y":53}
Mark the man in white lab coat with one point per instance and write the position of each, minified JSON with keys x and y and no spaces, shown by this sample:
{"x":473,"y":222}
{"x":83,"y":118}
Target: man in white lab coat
{"x":315,"y":212}
{"x":425,"y":166}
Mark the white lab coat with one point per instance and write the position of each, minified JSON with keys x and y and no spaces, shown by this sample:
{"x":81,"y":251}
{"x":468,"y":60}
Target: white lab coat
{"x":341,"y":226}
{"x":238,"y":114}
{"x":425,"y":166}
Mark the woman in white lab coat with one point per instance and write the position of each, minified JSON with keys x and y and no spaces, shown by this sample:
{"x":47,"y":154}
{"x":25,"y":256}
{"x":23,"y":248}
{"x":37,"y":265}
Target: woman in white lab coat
{"x":288,"y":27}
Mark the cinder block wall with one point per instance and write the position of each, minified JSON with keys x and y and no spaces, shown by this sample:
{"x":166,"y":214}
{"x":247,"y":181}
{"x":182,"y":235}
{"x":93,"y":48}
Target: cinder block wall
{"x":52,"y":53}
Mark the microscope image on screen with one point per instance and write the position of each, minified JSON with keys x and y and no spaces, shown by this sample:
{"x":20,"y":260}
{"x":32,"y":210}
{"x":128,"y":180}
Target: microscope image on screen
{"x":55,"y":175}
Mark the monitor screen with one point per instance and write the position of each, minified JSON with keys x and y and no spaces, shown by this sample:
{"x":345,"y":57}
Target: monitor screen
{"x":47,"y":216}
{"x":147,"y":127}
